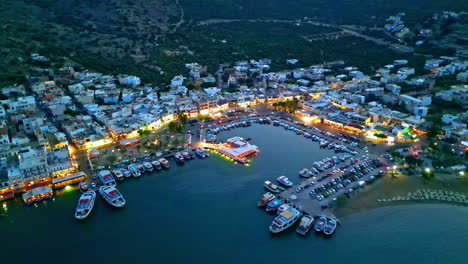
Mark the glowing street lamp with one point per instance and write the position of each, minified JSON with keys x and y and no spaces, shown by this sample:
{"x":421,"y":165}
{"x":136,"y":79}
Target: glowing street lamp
{"x":427,"y":170}
{"x":462,"y":173}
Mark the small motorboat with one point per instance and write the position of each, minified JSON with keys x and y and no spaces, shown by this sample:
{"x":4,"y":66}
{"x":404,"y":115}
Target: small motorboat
{"x":330,"y":227}
{"x":320,"y":224}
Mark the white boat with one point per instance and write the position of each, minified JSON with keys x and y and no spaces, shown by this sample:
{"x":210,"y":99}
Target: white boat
{"x":305,"y":224}
{"x":134,"y":170}
{"x":186,"y":155}
{"x":85,"y":205}
{"x":118,"y":174}
{"x":112,"y":196}
{"x":286,"y":219}
{"x":271,"y":187}
{"x":305,"y":173}
{"x":330,"y":227}
{"x":267,"y":197}
{"x":126,"y":173}
{"x":148,"y":166}
{"x":284,"y":181}
{"x":201,"y":152}
{"x":84,"y":187}
{"x":320,"y":223}
{"x":140,"y":168}
{"x":106,"y":178}
{"x":156,"y":164}
{"x":179,"y":158}
{"x":164,"y":163}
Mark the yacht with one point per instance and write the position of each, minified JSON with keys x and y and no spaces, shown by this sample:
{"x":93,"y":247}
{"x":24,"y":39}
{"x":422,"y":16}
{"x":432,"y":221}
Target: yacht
{"x":148,"y":166}
{"x":118,"y":174}
{"x":156,"y":164}
{"x":201,"y":152}
{"x":134,"y":170}
{"x":126,"y":173}
{"x":330,"y":227}
{"x":85,"y":205}
{"x":186,"y":155}
{"x":164,"y":163}
{"x":112,"y":196}
{"x":305,"y":224}
{"x":265,"y":199}
{"x":284,"y":181}
{"x":106,"y":178}
{"x":273,"y":204}
{"x":140,"y":167}
{"x":305,"y":173}
{"x":320,"y":224}
{"x":286,"y":219}
{"x":272,"y":187}
{"x":179,"y":159}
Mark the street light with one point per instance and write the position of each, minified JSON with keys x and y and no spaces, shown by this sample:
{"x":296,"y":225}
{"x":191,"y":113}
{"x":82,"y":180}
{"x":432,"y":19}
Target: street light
{"x":462,"y":173}
{"x":428,"y":170}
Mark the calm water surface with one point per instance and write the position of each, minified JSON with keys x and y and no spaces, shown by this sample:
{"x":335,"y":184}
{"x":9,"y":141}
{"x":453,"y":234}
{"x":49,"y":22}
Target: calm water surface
{"x":205,"y":211}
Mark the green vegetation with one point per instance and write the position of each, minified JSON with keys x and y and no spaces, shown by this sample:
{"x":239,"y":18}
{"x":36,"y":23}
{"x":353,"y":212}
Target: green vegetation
{"x":288,"y":106}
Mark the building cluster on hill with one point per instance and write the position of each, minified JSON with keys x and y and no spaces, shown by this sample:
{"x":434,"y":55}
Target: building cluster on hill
{"x":61,"y":108}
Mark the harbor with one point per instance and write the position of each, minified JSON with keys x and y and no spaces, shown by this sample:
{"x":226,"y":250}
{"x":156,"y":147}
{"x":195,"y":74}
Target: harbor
{"x":160,"y":204}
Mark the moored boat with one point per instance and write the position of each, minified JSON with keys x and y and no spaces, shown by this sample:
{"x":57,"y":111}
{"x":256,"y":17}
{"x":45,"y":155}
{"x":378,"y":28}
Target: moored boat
{"x":140,"y":167}
{"x":106,"y":178}
{"x":134,"y":170}
{"x":85,"y":205}
{"x":112,"y":196}
{"x":37,"y":194}
{"x":283,"y":208}
{"x":286,"y":219}
{"x":192,"y":154}
{"x":179,"y":159}
{"x":273,"y":204}
{"x":84,"y":187}
{"x":305,"y":224}
{"x":156,"y":164}
{"x":186,"y":155}
{"x":330,"y":227}
{"x":148,"y":166}
{"x":320,"y":223}
{"x":126,"y":173}
{"x":284,"y":181}
{"x":118,"y":174}
{"x":305,"y":173}
{"x":201,"y":152}
{"x":164,"y":162}
{"x":265,"y":199}
{"x":271,"y":187}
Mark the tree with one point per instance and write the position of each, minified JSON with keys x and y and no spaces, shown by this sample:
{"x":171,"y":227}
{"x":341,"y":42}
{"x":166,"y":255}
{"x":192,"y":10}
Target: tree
{"x":183,"y":119}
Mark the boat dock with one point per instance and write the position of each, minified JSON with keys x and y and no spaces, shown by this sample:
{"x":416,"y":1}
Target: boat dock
{"x":307,"y":205}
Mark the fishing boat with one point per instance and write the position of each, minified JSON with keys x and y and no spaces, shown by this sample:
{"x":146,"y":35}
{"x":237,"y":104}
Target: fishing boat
{"x":156,"y":164}
{"x":192,"y":154}
{"x":134,"y":170}
{"x":179,"y":159}
{"x":37,"y":195}
{"x":265,"y":199}
{"x":126,"y":173}
{"x":140,"y":167}
{"x":330,"y":227}
{"x":271,"y":187}
{"x":106,"y":178}
{"x":285,"y":220}
{"x":284,"y":181}
{"x":148,"y":166}
{"x":186,"y":155}
{"x":305,"y":224}
{"x":273,"y":205}
{"x":164,"y":163}
{"x":85,"y":205}
{"x":84,"y":187}
{"x":201,"y":152}
{"x":320,"y":224}
{"x":305,"y":173}
{"x":112,"y":196}
{"x":118,"y":174}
